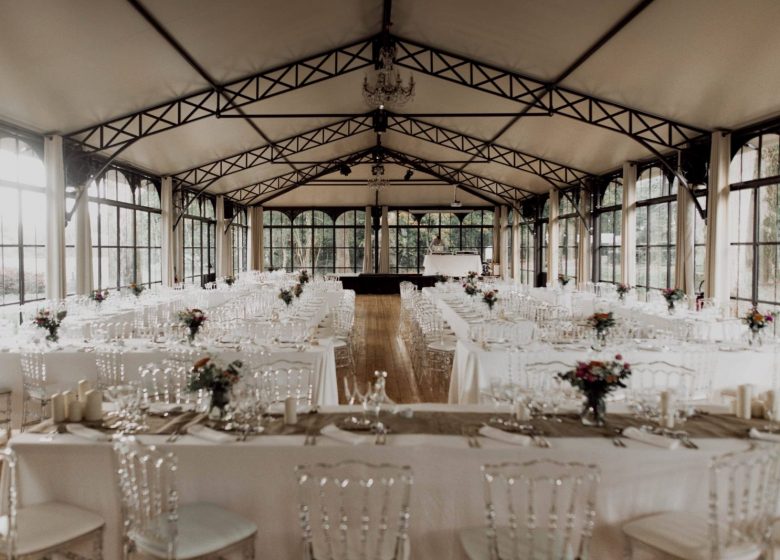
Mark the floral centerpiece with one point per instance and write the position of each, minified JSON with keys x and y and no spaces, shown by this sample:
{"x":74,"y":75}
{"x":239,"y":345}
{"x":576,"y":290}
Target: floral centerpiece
{"x":757,"y":322}
{"x":193,"y":319}
{"x":286,"y":295}
{"x":136,"y":289}
{"x":443,"y":278}
{"x":622,"y":290}
{"x":99,"y":296}
{"x":490,"y":298}
{"x":601,"y":323}
{"x":44,"y":319}
{"x":672,"y":296}
{"x":563,"y":279}
{"x":230,"y":280}
{"x":297,"y":290}
{"x":472,"y":276}
{"x":303,"y":277}
{"x":470,"y":288}
{"x":207,"y":375}
{"x":596,"y":379}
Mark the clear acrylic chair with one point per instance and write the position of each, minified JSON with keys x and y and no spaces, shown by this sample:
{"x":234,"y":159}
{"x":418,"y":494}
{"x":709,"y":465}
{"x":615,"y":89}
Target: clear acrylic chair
{"x":743,"y":492}
{"x":37,"y":395}
{"x":539,"y":510}
{"x":110,"y":366}
{"x":687,"y":383}
{"x":354,"y":511}
{"x":38,"y":531}
{"x":284,"y":378}
{"x":343,"y":322}
{"x":6,"y":411}
{"x":157,"y":526}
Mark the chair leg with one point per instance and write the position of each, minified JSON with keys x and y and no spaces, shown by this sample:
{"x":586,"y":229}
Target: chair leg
{"x":97,"y":545}
{"x":628,"y":552}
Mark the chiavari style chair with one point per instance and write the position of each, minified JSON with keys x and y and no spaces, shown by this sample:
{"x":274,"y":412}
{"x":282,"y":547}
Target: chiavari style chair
{"x":37,"y":395}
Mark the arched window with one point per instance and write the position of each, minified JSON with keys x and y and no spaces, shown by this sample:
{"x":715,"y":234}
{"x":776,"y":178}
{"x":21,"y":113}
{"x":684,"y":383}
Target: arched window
{"x":199,"y":240}
{"x":754,"y":223}
{"x":350,"y":240}
{"x":22,"y":222}
{"x":656,"y":225}
{"x":239,"y":231}
{"x":314,"y":242}
{"x":277,"y":241}
{"x":609,"y":216}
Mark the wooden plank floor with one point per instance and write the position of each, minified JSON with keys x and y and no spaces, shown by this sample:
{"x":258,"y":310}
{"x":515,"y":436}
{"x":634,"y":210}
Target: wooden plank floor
{"x":376,"y":320}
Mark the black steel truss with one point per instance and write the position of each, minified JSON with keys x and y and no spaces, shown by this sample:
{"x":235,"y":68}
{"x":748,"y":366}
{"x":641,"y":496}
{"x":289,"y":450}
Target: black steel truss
{"x":210,"y":102}
{"x":555,"y":98}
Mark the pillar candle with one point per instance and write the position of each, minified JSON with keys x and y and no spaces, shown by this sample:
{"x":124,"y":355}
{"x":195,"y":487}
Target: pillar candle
{"x":58,"y":408}
{"x":744,"y":398}
{"x":70,"y":397}
{"x":521,"y":411}
{"x":291,"y":410}
{"x":84,"y":386}
{"x":75,"y":411}
{"x":667,"y":409}
{"x":93,"y":406}
{"x":772,"y":405}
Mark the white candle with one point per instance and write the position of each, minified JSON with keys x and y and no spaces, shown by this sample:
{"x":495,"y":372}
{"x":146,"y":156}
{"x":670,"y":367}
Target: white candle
{"x":93,"y":406}
{"x":521,"y":411}
{"x":291,"y":410}
{"x":744,"y":401}
{"x":772,"y":405}
{"x":75,"y":411}
{"x":84,"y":386}
{"x":667,"y":409}
{"x":58,"y":408}
{"x":70,"y":397}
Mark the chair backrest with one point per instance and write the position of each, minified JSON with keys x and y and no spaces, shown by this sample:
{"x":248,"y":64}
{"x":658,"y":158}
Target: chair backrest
{"x":165,"y":382}
{"x":285,"y":378}
{"x":10,"y":502}
{"x":542,"y":509}
{"x":110,"y":366}
{"x":146,"y":478}
{"x":659,"y":375}
{"x":743,"y":498}
{"x":33,"y":362}
{"x":354,"y":511}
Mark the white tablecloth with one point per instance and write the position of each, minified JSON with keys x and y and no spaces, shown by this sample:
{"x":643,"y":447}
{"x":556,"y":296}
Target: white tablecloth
{"x":255,"y":479}
{"x":452,"y":265}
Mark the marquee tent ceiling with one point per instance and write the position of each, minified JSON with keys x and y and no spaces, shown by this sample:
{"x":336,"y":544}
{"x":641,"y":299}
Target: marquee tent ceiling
{"x":73,"y":64}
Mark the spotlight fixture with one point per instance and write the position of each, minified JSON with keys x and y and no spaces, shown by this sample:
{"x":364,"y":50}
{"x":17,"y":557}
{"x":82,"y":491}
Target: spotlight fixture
{"x":408,"y":175}
{"x":345,"y":169}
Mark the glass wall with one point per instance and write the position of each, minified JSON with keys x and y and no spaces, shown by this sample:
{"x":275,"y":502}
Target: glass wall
{"x":656,"y":223}
{"x":527,"y":254}
{"x":568,"y":236}
{"x":126,"y":231}
{"x":199,"y":240}
{"x":406,"y":255}
{"x":22,"y":222}
{"x":350,"y":238}
{"x":239,"y":236}
{"x":754,"y":221}
{"x":277,"y":241}
{"x":609,"y":217}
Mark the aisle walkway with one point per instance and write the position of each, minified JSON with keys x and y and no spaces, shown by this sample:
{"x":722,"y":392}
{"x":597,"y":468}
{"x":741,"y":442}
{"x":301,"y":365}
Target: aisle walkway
{"x":376,"y":319}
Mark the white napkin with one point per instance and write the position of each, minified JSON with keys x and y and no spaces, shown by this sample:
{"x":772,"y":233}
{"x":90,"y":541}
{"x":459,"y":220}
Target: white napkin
{"x":651,"y":439}
{"x":765,"y":436}
{"x":203,"y":432}
{"x":344,"y":436}
{"x":506,"y":437}
{"x":82,"y":431}
{"x":40,"y":427}
{"x":278,"y":408}
{"x":163,"y":408}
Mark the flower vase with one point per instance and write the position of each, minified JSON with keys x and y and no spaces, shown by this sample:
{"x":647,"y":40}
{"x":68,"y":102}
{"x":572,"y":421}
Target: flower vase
{"x":755,"y":338}
{"x":600,"y":341}
{"x":594,"y":410}
{"x":670,"y":308}
{"x":191,"y":336}
{"x":219,"y":401}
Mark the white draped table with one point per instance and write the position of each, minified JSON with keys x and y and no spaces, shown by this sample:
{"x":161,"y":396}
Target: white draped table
{"x":451,"y":265}
{"x":256,"y":480}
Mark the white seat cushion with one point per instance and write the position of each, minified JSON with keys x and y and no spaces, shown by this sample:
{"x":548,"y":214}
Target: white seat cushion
{"x":684,"y":535}
{"x":475,"y":544}
{"x":442,"y":346}
{"x":203,"y":529}
{"x":339,"y":343}
{"x":44,"y":526}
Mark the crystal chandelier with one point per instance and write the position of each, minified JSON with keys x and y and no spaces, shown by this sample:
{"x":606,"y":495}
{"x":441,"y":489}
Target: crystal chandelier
{"x":388,"y":88}
{"x":377,"y":181}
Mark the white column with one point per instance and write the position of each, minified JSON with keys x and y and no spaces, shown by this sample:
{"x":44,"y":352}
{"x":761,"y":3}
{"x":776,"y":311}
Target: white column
{"x":256,"y":244}
{"x":717,"y":261}
{"x":552,"y":239}
{"x":368,"y":253}
{"x":516,"y":245}
{"x":55,"y":217}
{"x":584,"y":254}
{"x":683,"y":266}
{"x":504,"y":238}
{"x":628,"y":226}
{"x":384,"y":245}
{"x":84,"y":272}
{"x":168,"y":218}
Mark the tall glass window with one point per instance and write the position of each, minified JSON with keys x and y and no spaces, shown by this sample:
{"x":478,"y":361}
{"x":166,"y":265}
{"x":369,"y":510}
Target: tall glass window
{"x":199,"y":240}
{"x":405,"y":254}
{"x":126,"y":231}
{"x":277,"y":241}
{"x":350,"y":236}
{"x":22,"y":222}
{"x":656,"y":223}
{"x":477,"y":233}
{"x":239,"y":233}
{"x":527,"y":254}
{"x":754,"y":223}
{"x":609,"y":217}
{"x":313,"y":242}
{"x":568,"y":237}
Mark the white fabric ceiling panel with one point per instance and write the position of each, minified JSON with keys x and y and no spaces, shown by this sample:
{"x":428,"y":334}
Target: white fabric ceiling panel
{"x":510,"y":176}
{"x":335,"y":150}
{"x":708,"y":63}
{"x":68,"y":64}
{"x":249,"y":177}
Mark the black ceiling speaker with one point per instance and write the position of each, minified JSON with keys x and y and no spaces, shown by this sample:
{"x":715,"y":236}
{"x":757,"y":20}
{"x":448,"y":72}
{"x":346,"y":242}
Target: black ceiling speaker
{"x":345,"y":169}
{"x":408,"y":175}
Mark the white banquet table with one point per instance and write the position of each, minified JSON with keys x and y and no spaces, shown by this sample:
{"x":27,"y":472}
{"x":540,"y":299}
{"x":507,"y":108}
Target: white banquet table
{"x":451,"y":265}
{"x":255,"y":479}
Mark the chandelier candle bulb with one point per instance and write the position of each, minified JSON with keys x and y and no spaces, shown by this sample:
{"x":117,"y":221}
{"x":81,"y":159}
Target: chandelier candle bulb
{"x":83,"y":388}
{"x":75,"y":411}
{"x":291,"y":410}
{"x":58,"y":408}
{"x":93,"y":406}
